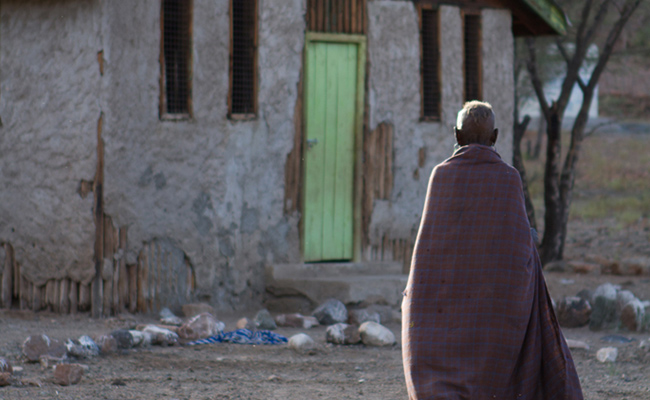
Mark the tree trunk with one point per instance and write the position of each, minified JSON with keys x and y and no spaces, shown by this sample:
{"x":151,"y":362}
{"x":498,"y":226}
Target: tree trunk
{"x":540,"y":134}
{"x":552,"y":244}
{"x":518,"y":163}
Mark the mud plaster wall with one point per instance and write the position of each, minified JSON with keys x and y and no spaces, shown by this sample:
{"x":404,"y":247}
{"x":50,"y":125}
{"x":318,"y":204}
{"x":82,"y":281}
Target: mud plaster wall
{"x":394,"y":85}
{"x":212,"y":187}
{"x":49,"y":87}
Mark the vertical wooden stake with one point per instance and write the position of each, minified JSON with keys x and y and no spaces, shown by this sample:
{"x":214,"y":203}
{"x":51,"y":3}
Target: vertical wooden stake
{"x":7,"y":277}
{"x":97,"y":295}
{"x":73,"y":296}
{"x":133,"y":287}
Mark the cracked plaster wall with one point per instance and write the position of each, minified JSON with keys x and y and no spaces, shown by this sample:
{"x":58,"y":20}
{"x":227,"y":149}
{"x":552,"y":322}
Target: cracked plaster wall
{"x":394,"y":85}
{"x":49,"y":107}
{"x":211,"y":186}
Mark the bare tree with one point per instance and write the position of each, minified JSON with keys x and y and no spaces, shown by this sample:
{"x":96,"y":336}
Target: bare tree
{"x":559,"y":179}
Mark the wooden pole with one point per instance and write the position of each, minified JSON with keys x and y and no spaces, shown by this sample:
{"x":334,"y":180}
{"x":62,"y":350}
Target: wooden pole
{"x":7,"y":277}
{"x":73,"y":296}
{"x":97,"y":287}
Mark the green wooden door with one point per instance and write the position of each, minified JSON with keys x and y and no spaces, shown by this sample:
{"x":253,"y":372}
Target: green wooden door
{"x":330,"y":111}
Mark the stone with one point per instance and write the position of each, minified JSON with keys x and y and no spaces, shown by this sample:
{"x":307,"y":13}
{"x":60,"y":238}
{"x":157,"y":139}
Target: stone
{"x":47,"y":360}
{"x":37,"y":345}
{"x":573,"y":312}
{"x":68,"y":374}
{"x":84,"y":347}
{"x":331,"y":312}
{"x":342,"y":334}
{"x":140,"y":339}
{"x":386,"y":313}
{"x":645,"y":345}
{"x":107,"y":344}
{"x":193,"y":309}
{"x":161,"y":336}
{"x":358,"y":317}
{"x":607,"y":266}
{"x":607,"y":354}
{"x":577,"y":344}
{"x":245,"y":323}
{"x":124,"y":338}
{"x":604,"y":314}
{"x":263,"y":320}
{"x":636,"y":266}
{"x":633,"y":315}
{"x":296,"y":321}
{"x":5,"y":379}
{"x":167,"y":317}
{"x":586,"y":294}
{"x":580,"y":267}
{"x":623,"y":297}
{"x":556,"y":266}
{"x":301,"y":343}
{"x":5,"y":365}
{"x":374,"y":334}
{"x":200,"y":327}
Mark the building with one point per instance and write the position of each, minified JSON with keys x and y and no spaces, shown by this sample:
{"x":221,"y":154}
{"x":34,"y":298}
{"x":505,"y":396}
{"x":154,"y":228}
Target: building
{"x":169,"y":150}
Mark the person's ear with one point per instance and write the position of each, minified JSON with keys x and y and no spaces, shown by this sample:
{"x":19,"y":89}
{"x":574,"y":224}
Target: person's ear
{"x":494,"y":136}
{"x":459,"y":136}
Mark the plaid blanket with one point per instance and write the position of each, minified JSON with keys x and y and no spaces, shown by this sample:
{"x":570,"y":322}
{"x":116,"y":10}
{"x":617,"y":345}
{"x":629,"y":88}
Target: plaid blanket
{"x":243,"y":336}
{"x":478,"y":322}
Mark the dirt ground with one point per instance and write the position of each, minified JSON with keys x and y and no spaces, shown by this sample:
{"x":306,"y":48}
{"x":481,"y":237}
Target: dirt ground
{"x":231,"y":371}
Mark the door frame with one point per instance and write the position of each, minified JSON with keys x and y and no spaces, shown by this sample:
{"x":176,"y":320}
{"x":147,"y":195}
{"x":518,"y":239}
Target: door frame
{"x":360,"y":41}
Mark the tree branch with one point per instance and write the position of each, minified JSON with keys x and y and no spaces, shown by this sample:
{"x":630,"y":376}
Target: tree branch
{"x":598,"y":20}
{"x":628,"y":9}
{"x":566,"y":57}
{"x":531,"y":65}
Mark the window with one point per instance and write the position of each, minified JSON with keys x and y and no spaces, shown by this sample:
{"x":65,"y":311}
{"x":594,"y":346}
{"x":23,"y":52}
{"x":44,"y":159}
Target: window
{"x":429,"y":63}
{"x":175,"y":63}
{"x":472,"y":34}
{"x":242,"y":99}
{"x":336,"y":16}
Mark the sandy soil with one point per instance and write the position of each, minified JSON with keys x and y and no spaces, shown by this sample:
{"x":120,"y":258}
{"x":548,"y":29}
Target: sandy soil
{"x":230,"y":371}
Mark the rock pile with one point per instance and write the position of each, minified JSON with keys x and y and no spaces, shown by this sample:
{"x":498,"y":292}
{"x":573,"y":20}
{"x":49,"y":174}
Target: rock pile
{"x":607,"y":307}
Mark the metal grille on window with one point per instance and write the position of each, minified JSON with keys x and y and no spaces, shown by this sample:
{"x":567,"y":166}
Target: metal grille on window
{"x":472,"y":57}
{"x":243,"y":57}
{"x":337,"y":16}
{"x":176,"y":55}
{"x":430,"y":67}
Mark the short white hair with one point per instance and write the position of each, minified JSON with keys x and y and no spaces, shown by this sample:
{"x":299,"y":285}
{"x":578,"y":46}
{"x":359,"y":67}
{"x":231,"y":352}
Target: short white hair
{"x":475,"y":113}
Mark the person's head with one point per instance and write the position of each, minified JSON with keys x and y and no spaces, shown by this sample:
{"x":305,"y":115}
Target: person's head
{"x":475,"y":124}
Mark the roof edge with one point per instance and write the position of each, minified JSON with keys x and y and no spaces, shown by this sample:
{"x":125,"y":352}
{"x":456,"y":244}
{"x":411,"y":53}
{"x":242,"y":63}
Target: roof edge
{"x":551,"y":13}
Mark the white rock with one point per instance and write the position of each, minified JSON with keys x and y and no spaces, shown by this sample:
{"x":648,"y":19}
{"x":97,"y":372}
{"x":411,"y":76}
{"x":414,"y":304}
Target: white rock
{"x":623,"y":297}
{"x":160,"y":335}
{"x":606,"y":290}
{"x":140,"y":338}
{"x":301,"y":343}
{"x":607,"y":354}
{"x":645,"y":344}
{"x":577,"y":344}
{"x":374,"y":334}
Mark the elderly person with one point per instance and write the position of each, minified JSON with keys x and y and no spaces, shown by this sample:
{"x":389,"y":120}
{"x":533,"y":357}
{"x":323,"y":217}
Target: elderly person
{"x":478,"y":322}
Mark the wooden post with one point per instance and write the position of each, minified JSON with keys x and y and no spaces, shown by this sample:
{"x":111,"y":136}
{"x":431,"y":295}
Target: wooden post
{"x":64,"y":296}
{"x":133,"y":287}
{"x":73,"y":297}
{"x":84,"y":297}
{"x":25,"y":293}
{"x":56,"y":296}
{"x":36,"y":298}
{"x":7,"y":277}
{"x":97,"y":295}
